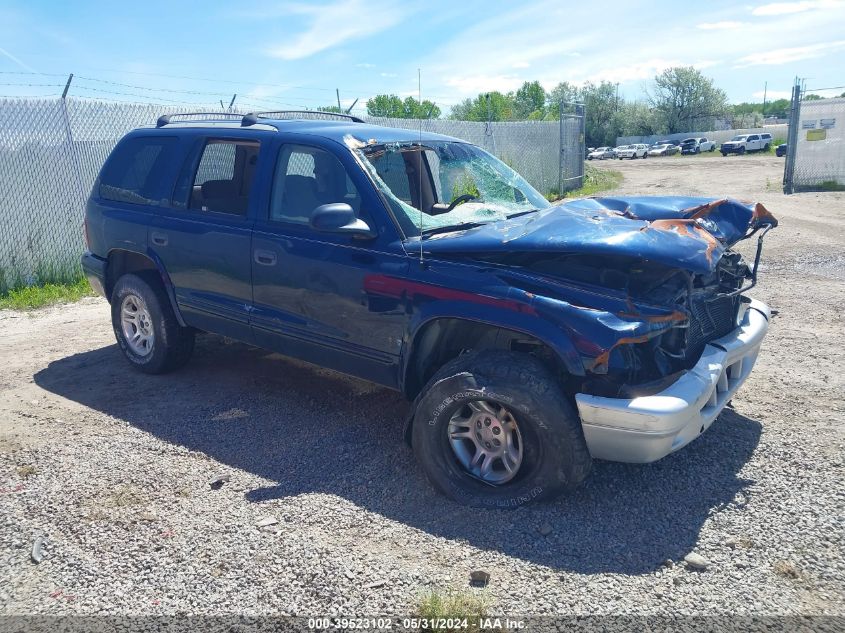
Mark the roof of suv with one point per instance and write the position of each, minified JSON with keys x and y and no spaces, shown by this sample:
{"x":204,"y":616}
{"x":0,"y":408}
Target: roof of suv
{"x":332,"y":129}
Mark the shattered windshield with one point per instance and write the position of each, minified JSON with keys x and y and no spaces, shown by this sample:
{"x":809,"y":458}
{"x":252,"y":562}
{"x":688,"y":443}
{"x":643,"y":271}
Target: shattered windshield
{"x":444,"y":184}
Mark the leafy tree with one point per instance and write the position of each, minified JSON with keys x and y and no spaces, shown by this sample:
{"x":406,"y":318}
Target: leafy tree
{"x":812,"y":97}
{"x":499,"y":106}
{"x":563,"y":92}
{"x":413,"y":109}
{"x":386,"y":106}
{"x":394,"y":107}
{"x":331,"y":109}
{"x":687,"y":100}
{"x":600,"y":106}
{"x":529,"y":100}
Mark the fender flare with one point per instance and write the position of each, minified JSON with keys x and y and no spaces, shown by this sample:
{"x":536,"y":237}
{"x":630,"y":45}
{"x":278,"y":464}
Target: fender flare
{"x":162,"y":272}
{"x":526,"y":323}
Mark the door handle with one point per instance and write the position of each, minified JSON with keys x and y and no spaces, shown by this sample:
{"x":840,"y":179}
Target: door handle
{"x":159,"y":239}
{"x":265,"y":258}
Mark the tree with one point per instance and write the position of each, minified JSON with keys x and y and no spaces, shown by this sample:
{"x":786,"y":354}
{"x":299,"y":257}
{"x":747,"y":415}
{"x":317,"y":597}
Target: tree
{"x":686,"y":100}
{"x":386,"y":106}
{"x":498,"y":106}
{"x":600,"y":106}
{"x":529,"y":101}
{"x":331,"y":109}
{"x":392,"y":106}
{"x":812,"y":97}
{"x":564,"y":92}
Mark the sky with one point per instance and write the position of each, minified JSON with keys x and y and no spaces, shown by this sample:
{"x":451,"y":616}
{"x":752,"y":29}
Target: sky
{"x":296,"y":54}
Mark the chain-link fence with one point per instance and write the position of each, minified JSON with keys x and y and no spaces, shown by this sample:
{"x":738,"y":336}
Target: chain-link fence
{"x":815,"y":159}
{"x":52,"y":150}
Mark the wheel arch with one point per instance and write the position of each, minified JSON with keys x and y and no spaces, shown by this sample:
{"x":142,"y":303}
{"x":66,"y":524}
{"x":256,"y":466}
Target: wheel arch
{"x":437,"y":339}
{"x":121,"y":262}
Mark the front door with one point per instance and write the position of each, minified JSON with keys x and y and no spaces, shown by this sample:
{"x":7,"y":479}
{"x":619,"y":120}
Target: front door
{"x":310,"y":288}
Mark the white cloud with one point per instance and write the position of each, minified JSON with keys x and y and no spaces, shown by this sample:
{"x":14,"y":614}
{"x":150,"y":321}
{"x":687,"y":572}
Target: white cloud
{"x":365,"y":65}
{"x":388,"y":75}
{"x":725,"y":25}
{"x":787,"y":55}
{"x":632,"y":72}
{"x":336,"y":23}
{"x":520,"y":65}
{"x":783,"y":8}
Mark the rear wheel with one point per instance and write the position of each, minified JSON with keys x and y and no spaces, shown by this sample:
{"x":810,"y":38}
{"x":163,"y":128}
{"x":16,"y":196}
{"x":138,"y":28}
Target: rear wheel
{"x":145,"y":326}
{"x":493,"y":429}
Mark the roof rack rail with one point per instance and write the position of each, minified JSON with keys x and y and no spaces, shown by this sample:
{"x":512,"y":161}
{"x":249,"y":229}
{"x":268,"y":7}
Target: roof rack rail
{"x":164,"y":119}
{"x":252,"y":117}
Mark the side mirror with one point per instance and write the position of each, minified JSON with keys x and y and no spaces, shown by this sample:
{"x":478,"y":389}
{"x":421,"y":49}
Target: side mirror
{"x":338,"y":217}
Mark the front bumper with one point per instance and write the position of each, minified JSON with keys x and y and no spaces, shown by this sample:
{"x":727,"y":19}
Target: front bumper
{"x":644,"y":429}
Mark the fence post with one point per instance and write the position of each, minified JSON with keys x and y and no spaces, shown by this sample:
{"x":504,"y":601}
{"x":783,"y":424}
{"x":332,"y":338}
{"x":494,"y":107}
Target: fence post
{"x":792,"y":140}
{"x":581,"y":111}
{"x":561,"y":159}
{"x":74,"y":154}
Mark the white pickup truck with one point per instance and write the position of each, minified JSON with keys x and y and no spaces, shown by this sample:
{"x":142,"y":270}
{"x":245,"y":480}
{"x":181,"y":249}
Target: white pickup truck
{"x":639,"y":150}
{"x":696,"y":145}
{"x":746,"y":143}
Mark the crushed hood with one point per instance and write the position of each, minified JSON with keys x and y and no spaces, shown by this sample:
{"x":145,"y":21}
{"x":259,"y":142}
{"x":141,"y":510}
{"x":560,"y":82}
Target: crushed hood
{"x":679,"y":232}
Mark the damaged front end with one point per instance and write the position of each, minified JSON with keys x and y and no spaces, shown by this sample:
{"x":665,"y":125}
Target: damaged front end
{"x":641,"y":302}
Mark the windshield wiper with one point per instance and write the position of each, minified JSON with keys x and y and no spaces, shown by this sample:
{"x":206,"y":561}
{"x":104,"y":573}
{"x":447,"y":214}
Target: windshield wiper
{"x":519,"y":213}
{"x":450,"y":228}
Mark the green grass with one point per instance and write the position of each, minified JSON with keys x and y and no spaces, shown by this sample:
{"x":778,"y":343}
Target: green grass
{"x":454,"y":605}
{"x":30,"y":297}
{"x":596,"y":180}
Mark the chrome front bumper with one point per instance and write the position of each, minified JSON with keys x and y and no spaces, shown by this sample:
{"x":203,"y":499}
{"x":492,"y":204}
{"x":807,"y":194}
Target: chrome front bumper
{"x":646,"y":428}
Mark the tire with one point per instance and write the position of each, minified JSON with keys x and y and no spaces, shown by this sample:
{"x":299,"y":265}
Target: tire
{"x":697,"y":150}
{"x":712,"y":149}
{"x":554,"y":454}
{"x":724,"y":153}
{"x":741,"y":151}
{"x":168,"y":345}
{"x":766,"y":147}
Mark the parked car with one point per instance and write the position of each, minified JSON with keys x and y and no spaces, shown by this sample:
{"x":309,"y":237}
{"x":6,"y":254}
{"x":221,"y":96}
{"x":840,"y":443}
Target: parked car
{"x":660,"y":149}
{"x":638,"y":150}
{"x":780,"y":150}
{"x":601,"y":153}
{"x":530,"y":337}
{"x":743,"y":143}
{"x":696,"y":145}
{"x":672,"y":147}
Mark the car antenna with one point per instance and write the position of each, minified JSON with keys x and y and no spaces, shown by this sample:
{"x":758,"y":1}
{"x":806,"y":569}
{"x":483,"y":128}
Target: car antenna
{"x":420,"y":165}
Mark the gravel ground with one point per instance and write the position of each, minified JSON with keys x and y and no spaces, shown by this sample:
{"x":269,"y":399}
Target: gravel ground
{"x":113,"y":468}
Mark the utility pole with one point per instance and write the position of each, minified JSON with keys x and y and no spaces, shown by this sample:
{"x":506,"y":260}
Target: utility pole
{"x":232,"y":102}
{"x":337,"y":90}
{"x":765,"y":89}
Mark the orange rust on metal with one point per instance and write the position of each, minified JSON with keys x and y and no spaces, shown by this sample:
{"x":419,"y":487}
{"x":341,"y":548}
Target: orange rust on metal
{"x":703,"y":209}
{"x":604,"y":358}
{"x":761,"y":212}
{"x":687,"y":228}
{"x":675,"y":316}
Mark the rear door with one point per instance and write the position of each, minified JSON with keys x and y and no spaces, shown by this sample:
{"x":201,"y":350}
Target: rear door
{"x":204,"y":237}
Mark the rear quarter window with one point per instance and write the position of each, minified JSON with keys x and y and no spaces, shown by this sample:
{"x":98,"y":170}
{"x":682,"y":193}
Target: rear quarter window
{"x":136,"y":169}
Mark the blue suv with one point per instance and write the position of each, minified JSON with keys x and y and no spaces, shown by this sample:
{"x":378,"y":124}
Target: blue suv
{"x":530,"y":337}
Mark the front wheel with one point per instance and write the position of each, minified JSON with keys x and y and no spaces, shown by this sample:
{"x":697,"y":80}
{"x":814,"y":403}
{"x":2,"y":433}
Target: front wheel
{"x":145,"y":326}
{"x":724,"y":153}
{"x":493,"y":429}
{"x":741,"y":151}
